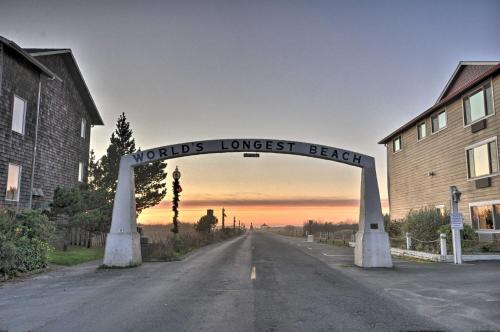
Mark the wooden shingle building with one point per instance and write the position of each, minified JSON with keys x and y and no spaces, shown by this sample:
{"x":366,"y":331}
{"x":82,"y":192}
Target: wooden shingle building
{"x":46,"y":114}
{"x":454,"y":142}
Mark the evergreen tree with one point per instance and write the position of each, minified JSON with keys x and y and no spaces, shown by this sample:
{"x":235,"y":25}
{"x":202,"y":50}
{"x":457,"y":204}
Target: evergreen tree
{"x":207,"y":223}
{"x":150,"y":185}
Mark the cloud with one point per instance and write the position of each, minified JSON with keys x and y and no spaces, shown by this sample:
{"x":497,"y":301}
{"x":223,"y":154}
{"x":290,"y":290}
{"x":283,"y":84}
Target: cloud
{"x":276,"y":202}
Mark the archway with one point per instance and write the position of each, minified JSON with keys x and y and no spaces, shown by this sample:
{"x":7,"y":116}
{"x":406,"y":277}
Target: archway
{"x":372,"y":242}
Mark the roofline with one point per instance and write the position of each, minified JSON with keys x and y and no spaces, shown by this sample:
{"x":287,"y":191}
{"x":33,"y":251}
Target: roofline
{"x":13,"y":46}
{"x":87,"y":91}
{"x":35,"y":54}
{"x":459,"y":66}
{"x":442,"y":103}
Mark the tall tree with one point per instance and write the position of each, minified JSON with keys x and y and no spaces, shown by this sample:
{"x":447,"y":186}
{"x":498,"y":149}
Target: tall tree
{"x":150,"y":185}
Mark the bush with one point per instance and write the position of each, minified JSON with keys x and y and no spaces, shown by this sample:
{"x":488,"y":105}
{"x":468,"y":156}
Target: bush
{"x":393,"y":227}
{"x":24,"y":240}
{"x":423,"y":225}
{"x":7,"y":255}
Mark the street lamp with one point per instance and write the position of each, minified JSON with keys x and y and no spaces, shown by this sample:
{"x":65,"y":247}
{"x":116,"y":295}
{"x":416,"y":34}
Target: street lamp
{"x":175,"y":201}
{"x":176,"y":174}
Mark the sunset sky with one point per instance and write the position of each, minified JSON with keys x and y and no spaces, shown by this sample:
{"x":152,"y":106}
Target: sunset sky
{"x":338,"y":73}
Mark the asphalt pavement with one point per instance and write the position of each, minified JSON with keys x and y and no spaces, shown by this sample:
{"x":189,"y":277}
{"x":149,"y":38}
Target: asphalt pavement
{"x":256,"y":282}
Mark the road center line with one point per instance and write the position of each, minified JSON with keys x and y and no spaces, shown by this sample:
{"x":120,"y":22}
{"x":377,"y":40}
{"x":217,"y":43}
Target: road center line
{"x":253,"y":275}
{"x":337,"y":255}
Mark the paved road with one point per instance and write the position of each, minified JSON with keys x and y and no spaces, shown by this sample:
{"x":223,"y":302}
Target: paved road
{"x":257,"y":282}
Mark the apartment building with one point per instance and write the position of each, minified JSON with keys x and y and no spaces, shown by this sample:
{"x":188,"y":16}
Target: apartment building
{"x":453,"y":143}
{"x":46,"y":115}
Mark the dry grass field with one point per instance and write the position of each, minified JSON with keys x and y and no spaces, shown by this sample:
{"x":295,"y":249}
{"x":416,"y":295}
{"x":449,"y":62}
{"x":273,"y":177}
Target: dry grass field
{"x":164,"y":245}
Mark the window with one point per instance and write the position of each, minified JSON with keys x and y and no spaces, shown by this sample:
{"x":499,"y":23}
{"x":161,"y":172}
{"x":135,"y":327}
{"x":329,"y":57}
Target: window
{"x":485,"y":216}
{"x":438,"y":121}
{"x":421,"y":131}
{"x":482,"y":160}
{"x":396,"y":144}
{"x":18,"y":114}
{"x":441,"y":210}
{"x":478,"y":105}
{"x":83,"y":128}
{"x":80,"y":171}
{"x":13,"y":182}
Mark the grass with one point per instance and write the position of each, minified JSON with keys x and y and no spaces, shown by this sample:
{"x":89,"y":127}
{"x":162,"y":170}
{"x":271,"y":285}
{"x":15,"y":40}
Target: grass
{"x":75,"y":255}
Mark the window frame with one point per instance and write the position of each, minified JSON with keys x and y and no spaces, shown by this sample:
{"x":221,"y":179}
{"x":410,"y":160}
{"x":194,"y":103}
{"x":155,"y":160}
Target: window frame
{"x":437,"y":115}
{"x":483,"y":203}
{"x":418,"y":132}
{"x":478,"y":144}
{"x":83,"y":128}
{"x":18,"y":183}
{"x":400,"y":137}
{"x":474,"y":91}
{"x":24,"y":115}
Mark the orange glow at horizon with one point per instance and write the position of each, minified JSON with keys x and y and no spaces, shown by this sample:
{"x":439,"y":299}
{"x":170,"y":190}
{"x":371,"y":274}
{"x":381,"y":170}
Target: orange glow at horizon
{"x":271,"y":215}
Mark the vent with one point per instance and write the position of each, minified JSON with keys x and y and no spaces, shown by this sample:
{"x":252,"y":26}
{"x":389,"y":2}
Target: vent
{"x":478,"y":126}
{"x":483,"y":183}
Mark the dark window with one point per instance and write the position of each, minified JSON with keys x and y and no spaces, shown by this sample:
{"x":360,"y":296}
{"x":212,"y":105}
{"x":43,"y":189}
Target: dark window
{"x":485,"y":217}
{"x":396,"y":144}
{"x":438,"y":121}
{"x":482,"y":160}
{"x":421,"y":131}
{"x":478,"y":105}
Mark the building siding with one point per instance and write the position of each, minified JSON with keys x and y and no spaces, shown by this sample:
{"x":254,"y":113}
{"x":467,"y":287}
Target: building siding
{"x":60,"y":147}
{"x":20,"y":79}
{"x":443,"y":153}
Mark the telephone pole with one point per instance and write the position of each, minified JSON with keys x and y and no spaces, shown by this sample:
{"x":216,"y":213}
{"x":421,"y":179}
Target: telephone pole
{"x":223,"y":216}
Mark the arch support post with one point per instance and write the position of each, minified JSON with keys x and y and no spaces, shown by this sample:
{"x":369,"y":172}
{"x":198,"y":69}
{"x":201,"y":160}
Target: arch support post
{"x":123,"y":243}
{"x":372,"y":242}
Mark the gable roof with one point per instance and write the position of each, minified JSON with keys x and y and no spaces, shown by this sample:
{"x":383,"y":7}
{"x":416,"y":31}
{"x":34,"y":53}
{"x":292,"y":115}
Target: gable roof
{"x":466,"y":72}
{"x":26,"y":56}
{"x":75,"y":73}
{"x":465,"y":77}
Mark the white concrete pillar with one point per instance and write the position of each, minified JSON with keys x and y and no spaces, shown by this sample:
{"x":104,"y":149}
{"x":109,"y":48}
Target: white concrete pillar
{"x":123,"y":244}
{"x":372,"y":242}
{"x":408,"y":241}
{"x":444,"y":251}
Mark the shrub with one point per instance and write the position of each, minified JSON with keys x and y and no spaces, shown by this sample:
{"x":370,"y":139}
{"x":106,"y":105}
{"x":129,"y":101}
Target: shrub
{"x":24,"y":240}
{"x":7,"y":255}
{"x":423,"y":225}
{"x":393,"y":227}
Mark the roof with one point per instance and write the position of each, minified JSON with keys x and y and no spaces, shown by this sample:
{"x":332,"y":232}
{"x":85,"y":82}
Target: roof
{"x":465,"y":72}
{"x":466,"y":76}
{"x":76,"y":74}
{"x":26,"y":56}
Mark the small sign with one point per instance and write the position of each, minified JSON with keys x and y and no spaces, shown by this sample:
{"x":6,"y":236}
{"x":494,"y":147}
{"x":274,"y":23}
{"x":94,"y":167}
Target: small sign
{"x":457,"y":221}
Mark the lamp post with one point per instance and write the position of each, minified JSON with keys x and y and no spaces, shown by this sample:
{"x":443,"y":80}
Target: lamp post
{"x":175,"y":201}
{"x":456,"y":222}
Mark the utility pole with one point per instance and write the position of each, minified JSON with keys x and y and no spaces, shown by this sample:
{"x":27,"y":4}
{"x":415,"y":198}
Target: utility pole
{"x":239,"y":224}
{"x":223,"y":216}
{"x":234,"y":222}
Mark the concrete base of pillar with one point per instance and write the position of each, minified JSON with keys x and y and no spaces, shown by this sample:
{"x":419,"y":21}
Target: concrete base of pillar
{"x":372,"y":249}
{"x":123,"y":250}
